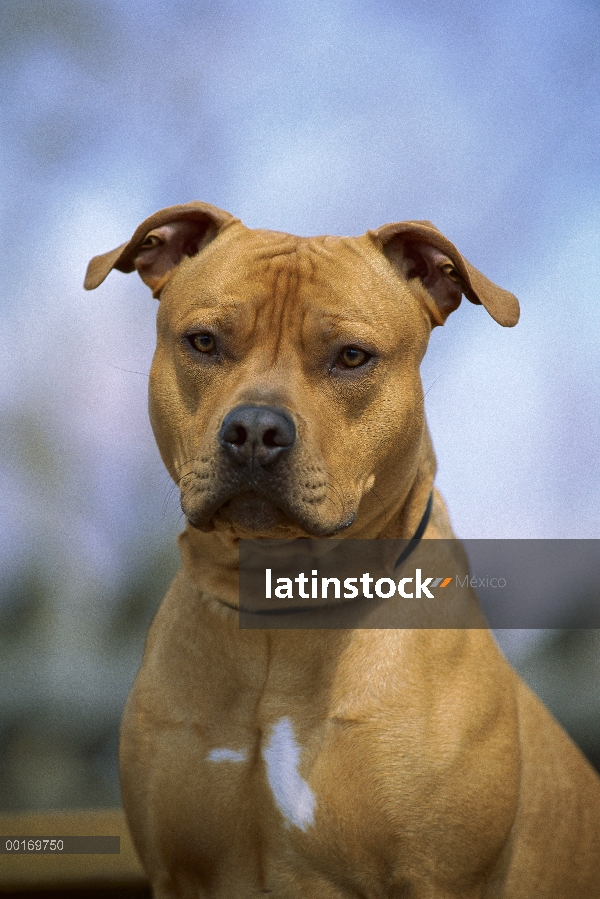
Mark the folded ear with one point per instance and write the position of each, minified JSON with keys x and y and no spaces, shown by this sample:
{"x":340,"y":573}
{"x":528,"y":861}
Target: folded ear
{"x":419,"y":250}
{"x":160,"y":243}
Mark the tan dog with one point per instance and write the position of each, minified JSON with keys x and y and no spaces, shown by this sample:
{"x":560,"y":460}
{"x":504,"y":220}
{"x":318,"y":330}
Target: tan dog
{"x":286,"y":402}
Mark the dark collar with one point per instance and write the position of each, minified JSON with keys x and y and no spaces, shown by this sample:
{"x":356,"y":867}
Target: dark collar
{"x":413,"y":542}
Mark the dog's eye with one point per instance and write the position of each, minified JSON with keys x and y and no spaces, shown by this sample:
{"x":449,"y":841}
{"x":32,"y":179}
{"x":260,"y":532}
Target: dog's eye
{"x":204,"y":343}
{"x":352,"y":357}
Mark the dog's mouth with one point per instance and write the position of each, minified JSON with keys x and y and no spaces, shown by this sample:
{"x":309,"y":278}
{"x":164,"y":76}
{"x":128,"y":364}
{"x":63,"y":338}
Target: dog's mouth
{"x":250,"y":514}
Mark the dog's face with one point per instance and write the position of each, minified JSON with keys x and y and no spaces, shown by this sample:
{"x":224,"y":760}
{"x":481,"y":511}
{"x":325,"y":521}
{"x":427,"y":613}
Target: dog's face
{"x":285,"y":394}
{"x":274,"y":391}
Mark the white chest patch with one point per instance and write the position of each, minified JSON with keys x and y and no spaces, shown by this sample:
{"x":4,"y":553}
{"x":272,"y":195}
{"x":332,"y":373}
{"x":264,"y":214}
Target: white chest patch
{"x":294,"y":797}
{"x":226,"y":755}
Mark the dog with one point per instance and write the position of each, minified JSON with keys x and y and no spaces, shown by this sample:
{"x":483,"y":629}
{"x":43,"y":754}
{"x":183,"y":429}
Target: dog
{"x":286,"y":402}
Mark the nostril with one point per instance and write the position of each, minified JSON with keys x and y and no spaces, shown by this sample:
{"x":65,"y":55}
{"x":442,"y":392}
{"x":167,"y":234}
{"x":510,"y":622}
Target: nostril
{"x":241,"y":435}
{"x":269,"y":437}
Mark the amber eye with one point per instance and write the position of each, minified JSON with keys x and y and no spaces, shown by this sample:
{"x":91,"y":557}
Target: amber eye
{"x":205,"y":343}
{"x":352,"y":357}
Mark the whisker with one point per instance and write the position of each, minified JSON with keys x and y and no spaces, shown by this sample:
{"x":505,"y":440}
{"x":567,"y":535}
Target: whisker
{"x":185,"y":474}
{"x":376,"y":495}
{"x":339,"y":494}
{"x":176,"y":484}
{"x":130,"y":371}
{"x":431,"y":385}
{"x":170,"y":491}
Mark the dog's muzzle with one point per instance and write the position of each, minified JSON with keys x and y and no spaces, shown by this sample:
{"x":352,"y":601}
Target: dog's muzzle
{"x":260,"y":480}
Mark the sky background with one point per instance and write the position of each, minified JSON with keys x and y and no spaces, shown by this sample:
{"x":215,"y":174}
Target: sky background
{"x":310,"y":117}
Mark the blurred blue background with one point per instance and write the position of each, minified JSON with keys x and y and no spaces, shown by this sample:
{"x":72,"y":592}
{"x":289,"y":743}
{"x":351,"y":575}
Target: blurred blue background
{"x":333,"y":116}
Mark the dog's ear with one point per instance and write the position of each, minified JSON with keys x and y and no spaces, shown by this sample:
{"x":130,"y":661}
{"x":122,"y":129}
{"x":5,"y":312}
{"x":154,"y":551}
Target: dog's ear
{"x":160,"y":243}
{"x":419,"y":250}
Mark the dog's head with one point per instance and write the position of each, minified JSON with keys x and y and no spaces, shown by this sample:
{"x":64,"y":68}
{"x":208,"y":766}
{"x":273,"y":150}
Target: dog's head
{"x":285,"y":394}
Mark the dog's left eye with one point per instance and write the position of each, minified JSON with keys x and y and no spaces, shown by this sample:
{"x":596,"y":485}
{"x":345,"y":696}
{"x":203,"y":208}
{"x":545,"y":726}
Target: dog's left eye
{"x":352,"y":357}
{"x":205,"y":343}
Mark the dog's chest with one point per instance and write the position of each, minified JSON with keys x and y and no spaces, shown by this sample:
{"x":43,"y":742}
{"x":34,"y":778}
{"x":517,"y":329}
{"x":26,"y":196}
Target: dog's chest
{"x":305,"y":769}
{"x":246,"y":785}
{"x":268,"y":810}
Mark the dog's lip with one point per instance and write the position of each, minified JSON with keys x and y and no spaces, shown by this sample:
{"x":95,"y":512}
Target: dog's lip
{"x":205,"y":520}
{"x":253,"y":512}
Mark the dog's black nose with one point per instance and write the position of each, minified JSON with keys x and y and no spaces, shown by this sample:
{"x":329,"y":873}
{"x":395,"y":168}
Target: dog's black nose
{"x":257,"y":435}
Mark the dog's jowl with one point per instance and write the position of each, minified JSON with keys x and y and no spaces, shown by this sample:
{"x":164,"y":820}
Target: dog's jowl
{"x":286,"y":402}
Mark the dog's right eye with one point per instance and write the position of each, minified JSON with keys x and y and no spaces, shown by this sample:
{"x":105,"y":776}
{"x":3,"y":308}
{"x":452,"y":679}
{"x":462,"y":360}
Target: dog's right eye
{"x":352,"y":357}
{"x":204,"y":343}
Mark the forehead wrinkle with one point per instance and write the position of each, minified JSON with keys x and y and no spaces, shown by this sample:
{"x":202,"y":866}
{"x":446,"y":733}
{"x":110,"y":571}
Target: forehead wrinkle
{"x":280,"y":310}
{"x":284,"y":293}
